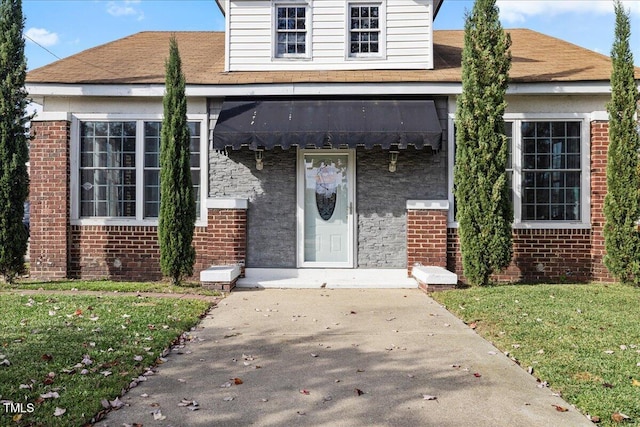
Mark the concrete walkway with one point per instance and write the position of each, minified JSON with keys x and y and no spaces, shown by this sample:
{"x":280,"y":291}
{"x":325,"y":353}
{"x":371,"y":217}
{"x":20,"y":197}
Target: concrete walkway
{"x":339,"y":357}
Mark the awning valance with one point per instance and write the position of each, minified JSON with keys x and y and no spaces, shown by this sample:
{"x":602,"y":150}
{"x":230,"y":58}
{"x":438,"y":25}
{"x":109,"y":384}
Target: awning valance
{"x":313,"y":123}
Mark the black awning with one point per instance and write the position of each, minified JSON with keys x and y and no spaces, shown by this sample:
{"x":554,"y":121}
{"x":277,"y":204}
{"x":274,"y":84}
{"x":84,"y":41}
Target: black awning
{"x":309,"y":123}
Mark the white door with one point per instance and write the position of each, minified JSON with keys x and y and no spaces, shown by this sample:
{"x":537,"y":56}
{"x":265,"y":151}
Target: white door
{"x":325,"y":208}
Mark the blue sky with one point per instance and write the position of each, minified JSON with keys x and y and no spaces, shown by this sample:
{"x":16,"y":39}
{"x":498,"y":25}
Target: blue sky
{"x":61,"y":28}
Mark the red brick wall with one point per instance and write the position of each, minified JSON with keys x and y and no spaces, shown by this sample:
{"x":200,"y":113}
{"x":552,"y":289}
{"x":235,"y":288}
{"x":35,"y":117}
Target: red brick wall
{"x":599,"y":147}
{"x":49,"y":196}
{"x":228,"y":241}
{"x":538,"y":256}
{"x":558,"y":255}
{"x":133,"y":252}
{"x":59,"y":250}
{"x":426,"y":238}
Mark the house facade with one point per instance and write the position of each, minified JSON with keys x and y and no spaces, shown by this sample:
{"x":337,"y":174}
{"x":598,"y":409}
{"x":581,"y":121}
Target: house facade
{"x":322,"y":139}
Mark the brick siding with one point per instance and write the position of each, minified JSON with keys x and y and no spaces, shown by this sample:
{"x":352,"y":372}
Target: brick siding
{"x":426,"y":238}
{"x":49,"y":196}
{"x":547,"y":255}
{"x":599,"y":148}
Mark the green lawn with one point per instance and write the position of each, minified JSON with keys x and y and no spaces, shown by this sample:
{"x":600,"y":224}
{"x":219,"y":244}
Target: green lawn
{"x":584,"y":340}
{"x":110,"y":286}
{"x":77,"y":351}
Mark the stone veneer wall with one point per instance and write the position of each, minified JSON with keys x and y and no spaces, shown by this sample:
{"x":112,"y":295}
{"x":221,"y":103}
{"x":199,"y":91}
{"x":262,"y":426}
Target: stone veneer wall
{"x":381,"y":199}
{"x":271,"y":216}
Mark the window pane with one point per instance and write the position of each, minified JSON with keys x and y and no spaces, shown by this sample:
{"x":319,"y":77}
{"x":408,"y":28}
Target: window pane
{"x":550,"y":182}
{"x":291,"y":31}
{"x":107,"y":169}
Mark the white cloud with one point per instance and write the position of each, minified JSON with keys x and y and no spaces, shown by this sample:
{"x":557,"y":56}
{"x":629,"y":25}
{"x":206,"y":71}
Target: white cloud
{"x":125,"y":8}
{"x":515,"y":11}
{"x":42,"y":36}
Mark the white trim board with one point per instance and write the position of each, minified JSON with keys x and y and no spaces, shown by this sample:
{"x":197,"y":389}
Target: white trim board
{"x":393,"y":278}
{"x":291,"y":89}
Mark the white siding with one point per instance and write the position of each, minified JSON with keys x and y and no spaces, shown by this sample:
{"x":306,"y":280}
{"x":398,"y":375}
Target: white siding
{"x":409,"y":32}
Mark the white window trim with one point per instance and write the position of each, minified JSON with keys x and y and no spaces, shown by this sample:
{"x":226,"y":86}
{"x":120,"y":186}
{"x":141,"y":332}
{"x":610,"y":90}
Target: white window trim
{"x":139,"y":220}
{"x":382,"y":37}
{"x":274,"y":29}
{"x":585,"y":161}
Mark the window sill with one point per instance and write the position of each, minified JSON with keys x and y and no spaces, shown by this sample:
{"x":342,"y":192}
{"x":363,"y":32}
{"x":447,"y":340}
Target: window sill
{"x":551,"y":225}
{"x":123,"y":222}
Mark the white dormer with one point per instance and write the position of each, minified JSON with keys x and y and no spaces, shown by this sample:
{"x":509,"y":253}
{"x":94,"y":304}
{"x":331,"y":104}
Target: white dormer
{"x":269,"y":35}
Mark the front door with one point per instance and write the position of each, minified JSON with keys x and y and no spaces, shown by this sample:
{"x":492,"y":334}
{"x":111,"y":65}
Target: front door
{"x":325,"y":208}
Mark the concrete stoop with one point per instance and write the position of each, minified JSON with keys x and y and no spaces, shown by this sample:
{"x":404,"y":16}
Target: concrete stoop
{"x":433,"y":279}
{"x":227,"y":277}
{"x":220,"y":277}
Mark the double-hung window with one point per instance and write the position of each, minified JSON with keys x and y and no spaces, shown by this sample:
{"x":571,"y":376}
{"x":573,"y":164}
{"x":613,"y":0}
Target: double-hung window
{"x":291,"y":31}
{"x":365,"y":37}
{"x":118,"y":175}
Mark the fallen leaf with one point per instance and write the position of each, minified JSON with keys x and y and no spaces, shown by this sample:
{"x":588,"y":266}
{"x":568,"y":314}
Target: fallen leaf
{"x":473,"y":325}
{"x":477,"y":375}
{"x":58,"y":412}
{"x":608,"y":351}
{"x":594,"y":418}
{"x":314,"y":355}
{"x":635,"y":382}
{"x":116,"y":403}
{"x":428,"y":397}
{"x":237,"y":381}
{"x":157,"y":415}
{"x":78,"y":312}
{"x":50,"y":395}
{"x":46,"y":357}
{"x":619,"y":417}
{"x":138,"y":358}
{"x":105,"y":404}
{"x":560,"y":408}
{"x":305,"y":392}
{"x":228,"y":398}
{"x":608,"y":385}
{"x":359,"y":392}
{"x":17,"y":417}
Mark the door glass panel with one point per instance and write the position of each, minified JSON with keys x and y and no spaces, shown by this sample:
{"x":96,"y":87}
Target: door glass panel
{"x":326,"y":208}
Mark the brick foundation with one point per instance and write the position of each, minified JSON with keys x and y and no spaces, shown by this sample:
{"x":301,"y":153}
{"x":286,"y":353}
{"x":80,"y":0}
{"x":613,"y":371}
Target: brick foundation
{"x":547,"y":255}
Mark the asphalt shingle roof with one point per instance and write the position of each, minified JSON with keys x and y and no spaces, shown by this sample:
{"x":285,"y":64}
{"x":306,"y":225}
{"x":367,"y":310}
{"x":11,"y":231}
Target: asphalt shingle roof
{"x":140,"y":59}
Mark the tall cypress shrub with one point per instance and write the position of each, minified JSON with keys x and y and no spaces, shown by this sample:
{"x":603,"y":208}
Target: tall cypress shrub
{"x":14,"y":178}
{"x":622,"y":201}
{"x":484,"y":212}
{"x":177,"y":203}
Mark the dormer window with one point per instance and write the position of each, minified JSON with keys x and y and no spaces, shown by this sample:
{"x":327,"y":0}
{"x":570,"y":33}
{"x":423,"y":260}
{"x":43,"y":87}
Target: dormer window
{"x":291,"y":31}
{"x":366,"y":25}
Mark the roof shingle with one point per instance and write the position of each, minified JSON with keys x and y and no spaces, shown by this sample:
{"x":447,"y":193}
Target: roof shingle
{"x":140,"y":59}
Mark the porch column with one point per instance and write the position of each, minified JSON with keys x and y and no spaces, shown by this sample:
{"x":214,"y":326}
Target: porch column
{"x":49,"y":196}
{"x":226,"y":242}
{"x":427,"y":233}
